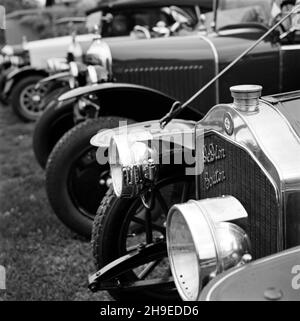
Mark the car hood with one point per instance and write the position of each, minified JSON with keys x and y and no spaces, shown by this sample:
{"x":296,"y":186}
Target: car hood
{"x":149,"y":131}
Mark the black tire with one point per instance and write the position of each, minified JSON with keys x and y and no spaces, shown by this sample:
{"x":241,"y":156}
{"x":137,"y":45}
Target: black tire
{"x":50,"y":127}
{"x":22,"y":104}
{"x":108,"y":232}
{"x":73,"y":175}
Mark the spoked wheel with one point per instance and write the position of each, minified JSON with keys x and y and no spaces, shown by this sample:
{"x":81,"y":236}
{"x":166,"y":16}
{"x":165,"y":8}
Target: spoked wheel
{"x":125,"y":225}
{"x":26,"y":99}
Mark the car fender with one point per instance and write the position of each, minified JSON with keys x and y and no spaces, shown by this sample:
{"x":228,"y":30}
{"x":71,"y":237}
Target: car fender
{"x":273,"y":278}
{"x":98,"y":88}
{"x":16,"y":74}
{"x":55,"y":80}
{"x":61,"y":77}
{"x":128,"y":100}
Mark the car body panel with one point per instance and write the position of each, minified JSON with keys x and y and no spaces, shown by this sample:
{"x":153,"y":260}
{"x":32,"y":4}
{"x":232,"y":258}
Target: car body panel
{"x":273,"y":278}
{"x":179,"y":66}
{"x":42,"y":50}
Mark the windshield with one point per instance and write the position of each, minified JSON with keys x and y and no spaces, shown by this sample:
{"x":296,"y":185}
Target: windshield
{"x":122,"y":22}
{"x":232,"y":12}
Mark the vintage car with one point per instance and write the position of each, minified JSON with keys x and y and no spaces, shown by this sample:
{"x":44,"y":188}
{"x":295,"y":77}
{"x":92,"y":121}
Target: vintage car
{"x":24,"y":65}
{"x":118,"y":19}
{"x":274,"y":278}
{"x":147,"y":76}
{"x":209,"y":195}
{"x":16,"y":56}
{"x":232,"y":197}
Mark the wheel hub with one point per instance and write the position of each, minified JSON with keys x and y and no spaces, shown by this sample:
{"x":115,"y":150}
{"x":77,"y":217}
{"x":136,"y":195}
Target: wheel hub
{"x":30,"y":99}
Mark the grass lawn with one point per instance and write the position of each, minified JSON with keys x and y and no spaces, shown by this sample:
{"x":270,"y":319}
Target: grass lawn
{"x":43,"y":259}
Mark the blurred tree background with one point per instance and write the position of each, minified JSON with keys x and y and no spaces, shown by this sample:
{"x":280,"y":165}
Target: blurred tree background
{"x":12,"y":5}
{"x":40,"y":16}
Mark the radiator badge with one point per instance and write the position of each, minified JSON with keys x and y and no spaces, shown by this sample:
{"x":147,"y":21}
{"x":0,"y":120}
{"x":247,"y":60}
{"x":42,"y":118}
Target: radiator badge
{"x":212,"y":154}
{"x":228,"y":124}
{"x":212,"y":180}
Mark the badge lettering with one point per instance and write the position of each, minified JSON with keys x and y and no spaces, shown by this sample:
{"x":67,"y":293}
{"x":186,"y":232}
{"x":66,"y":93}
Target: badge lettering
{"x":216,"y":178}
{"x":213,"y":153}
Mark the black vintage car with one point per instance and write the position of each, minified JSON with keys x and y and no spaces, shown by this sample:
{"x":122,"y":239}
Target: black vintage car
{"x":117,"y":20}
{"x":209,"y":195}
{"x":144,"y":78}
{"x":275,"y":278}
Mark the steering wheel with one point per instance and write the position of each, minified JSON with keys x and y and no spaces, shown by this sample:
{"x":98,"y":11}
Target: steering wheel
{"x":143,"y":30}
{"x":181,"y":17}
{"x":286,"y":26}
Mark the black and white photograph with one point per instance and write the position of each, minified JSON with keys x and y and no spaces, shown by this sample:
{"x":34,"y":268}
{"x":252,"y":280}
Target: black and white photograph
{"x":149,"y":152}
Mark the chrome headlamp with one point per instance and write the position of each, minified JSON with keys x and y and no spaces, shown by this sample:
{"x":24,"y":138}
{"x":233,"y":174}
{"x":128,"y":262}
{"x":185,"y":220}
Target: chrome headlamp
{"x":96,"y":74}
{"x":75,"y":52}
{"x":202,"y":242}
{"x":99,"y":55}
{"x":78,"y":73}
{"x":132,"y":165}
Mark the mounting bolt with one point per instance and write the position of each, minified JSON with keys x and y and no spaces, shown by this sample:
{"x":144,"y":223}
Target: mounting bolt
{"x":273,"y":294}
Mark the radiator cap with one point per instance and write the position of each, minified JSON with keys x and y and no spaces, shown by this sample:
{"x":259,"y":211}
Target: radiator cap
{"x":246,"y":97}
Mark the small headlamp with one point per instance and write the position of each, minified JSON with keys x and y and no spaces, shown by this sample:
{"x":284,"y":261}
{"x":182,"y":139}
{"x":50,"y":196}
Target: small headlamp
{"x":202,"y":242}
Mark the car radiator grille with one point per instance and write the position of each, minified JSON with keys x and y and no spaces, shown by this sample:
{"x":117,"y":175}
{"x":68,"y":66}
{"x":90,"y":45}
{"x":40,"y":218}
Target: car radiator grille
{"x":230,"y":170}
{"x":178,"y":81}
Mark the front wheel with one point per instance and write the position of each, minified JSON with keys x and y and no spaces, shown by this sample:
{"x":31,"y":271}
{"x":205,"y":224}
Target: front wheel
{"x":25,"y":100}
{"x":74,"y":179}
{"x":123,"y":225}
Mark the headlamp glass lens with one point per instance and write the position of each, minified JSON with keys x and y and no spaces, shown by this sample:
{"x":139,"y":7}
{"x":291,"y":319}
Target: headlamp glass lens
{"x":116,"y":169}
{"x":183,"y":254}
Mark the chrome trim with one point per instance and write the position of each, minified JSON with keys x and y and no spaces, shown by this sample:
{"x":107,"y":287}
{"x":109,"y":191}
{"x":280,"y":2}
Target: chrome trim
{"x":290,"y":47}
{"x":163,"y":68}
{"x":217,"y":243}
{"x":278,"y":155}
{"x":216,"y":57}
{"x":101,"y":50}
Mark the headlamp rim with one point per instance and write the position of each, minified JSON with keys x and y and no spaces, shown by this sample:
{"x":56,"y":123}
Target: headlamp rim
{"x":200,"y":220}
